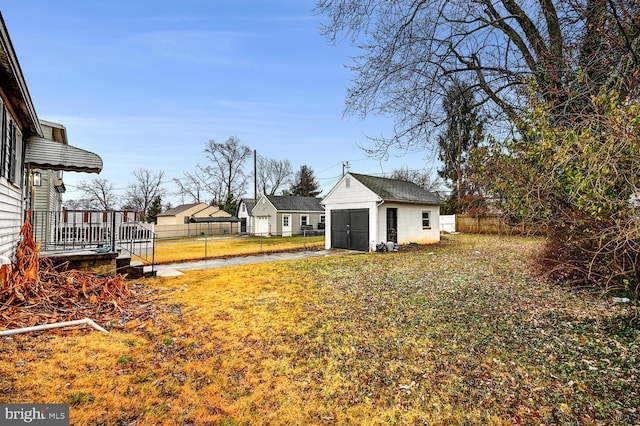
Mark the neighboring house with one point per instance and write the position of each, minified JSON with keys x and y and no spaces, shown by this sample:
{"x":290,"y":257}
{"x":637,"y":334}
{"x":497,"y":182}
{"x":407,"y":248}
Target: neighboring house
{"x":30,"y":151}
{"x":188,"y":212}
{"x":287,"y":215}
{"x":365,"y":210}
{"x":243,"y":212}
{"x":191,"y":220}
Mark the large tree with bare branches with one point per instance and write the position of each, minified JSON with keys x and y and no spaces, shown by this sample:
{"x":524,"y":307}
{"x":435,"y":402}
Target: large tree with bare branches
{"x":563,"y":74}
{"x":274,"y":175}
{"x":146,"y":187}
{"x":96,"y":194}
{"x":225,"y":173}
{"x":559,"y":51}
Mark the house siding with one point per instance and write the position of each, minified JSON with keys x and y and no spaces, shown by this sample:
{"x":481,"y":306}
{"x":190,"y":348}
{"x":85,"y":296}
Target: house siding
{"x":244,"y":213}
{"x":46,"y":198}
{"x":410,"y":223}
{"x":264,"y":209}
{"x":11,"y":217}
{"x":11,"y":201}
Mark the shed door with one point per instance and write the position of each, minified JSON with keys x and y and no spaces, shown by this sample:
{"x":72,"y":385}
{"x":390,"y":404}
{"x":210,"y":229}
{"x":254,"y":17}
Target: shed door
{"x":350,"y":229}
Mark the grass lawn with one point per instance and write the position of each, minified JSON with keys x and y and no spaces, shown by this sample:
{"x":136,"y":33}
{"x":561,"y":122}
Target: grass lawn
{"x":167,"y":251}
{"x":458,"y":333}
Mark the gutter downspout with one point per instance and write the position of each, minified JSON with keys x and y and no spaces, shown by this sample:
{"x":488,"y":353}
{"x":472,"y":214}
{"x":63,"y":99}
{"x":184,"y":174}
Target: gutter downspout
{"x":372,"y":247}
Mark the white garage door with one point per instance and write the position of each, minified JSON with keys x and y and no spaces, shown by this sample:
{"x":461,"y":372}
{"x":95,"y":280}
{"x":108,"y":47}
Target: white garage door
{"x":262,"y":225}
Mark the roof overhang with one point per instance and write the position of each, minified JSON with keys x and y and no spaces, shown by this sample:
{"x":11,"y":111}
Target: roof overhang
{"x":14,"y":86}
{"x":51,"y":155}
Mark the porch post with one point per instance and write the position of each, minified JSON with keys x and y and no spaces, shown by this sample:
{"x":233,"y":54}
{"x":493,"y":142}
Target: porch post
{"x":113,"y":231}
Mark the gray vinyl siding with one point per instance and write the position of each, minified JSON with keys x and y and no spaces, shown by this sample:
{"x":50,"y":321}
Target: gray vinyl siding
{"x":46,"y":198}
{"x":11,"y":194}
{"x":11,"y":217}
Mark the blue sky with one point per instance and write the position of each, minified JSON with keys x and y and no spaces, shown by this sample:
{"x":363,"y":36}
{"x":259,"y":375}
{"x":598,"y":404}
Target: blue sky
{"x":145,"y":84}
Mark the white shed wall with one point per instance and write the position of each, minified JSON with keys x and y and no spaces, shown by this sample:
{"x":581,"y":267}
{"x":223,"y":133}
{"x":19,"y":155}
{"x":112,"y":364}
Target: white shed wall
{"x":410,"y":223}
{"x":244,"y":213}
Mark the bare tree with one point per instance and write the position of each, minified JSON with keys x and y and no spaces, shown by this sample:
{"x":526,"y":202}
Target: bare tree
{"x":421,"y":178}
{"x":225,"y":174}
{"x":273,"y":174}
{"x":192,"y":186}
{"x":504,"y":49}
{"x":96,"y":194}
{"x":147,"y":187}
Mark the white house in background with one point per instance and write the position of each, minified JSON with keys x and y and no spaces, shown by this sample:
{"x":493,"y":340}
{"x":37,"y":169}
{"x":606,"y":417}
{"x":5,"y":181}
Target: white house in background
{"x":243,"y":212}
{"x":27,"y":151}
{"x":287,"y":215}
{"x":363,"y":210}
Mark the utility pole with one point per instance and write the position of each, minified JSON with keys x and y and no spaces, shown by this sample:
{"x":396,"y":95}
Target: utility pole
{"x":345,"y":165}
{"x":255,"y":176}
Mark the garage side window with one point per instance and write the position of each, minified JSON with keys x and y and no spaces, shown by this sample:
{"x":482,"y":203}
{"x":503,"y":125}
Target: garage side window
{"x":426,"y":220}
{"x":304,"y":220}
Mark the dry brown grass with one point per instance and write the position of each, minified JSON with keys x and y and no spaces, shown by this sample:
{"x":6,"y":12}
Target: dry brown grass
{"x":167,"y":251}
{"x":458,"y":333}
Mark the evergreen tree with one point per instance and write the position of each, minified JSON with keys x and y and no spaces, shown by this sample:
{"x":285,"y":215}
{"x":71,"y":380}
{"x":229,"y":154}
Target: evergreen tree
{"x":154,"y":210}
{"x":230,"y":205}
{"x":305,"y":184}
{"x":463,"y":132}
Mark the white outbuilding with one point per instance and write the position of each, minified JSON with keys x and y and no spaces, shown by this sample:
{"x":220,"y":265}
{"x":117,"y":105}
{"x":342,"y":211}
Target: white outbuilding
{"x":362,"y":211}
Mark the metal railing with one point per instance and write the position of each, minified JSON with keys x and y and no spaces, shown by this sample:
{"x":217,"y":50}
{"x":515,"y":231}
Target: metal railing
{"x":101,"y":231}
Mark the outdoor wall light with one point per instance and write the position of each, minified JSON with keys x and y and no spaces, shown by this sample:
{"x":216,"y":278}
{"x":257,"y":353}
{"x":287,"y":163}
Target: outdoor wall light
{"x":37,"y":179}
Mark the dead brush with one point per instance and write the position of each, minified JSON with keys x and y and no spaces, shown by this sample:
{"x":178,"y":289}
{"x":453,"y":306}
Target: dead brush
{"x":33,"y":291}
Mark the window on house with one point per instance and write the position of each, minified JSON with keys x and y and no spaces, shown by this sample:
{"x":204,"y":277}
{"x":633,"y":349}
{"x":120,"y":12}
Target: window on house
{"x":304,"y":219}
{"x":3,"y":141}
{"x":426,"y":220}
{"x":9,"y":149}
{"x":285,"y":221}
{"x":321,"y":218}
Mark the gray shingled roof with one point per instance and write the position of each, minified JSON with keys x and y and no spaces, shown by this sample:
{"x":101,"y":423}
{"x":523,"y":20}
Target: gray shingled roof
{"x":397,"y":190}
{"x":294,"y":203}
{"x":249,"y":203}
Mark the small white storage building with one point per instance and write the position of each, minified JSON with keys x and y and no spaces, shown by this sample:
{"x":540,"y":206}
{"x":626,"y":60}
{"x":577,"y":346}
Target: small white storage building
{"x":363,"y":210}
{"x":287,"y":215}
